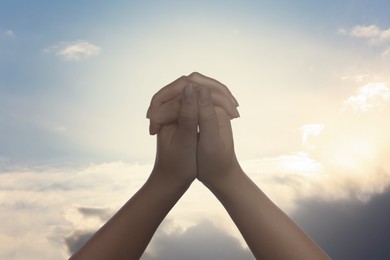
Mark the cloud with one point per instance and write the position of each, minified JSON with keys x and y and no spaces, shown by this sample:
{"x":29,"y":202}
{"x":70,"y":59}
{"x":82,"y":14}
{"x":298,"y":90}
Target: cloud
{"x":95,"y":216}
{"x":361,"y":31}
{"x":102,"y":213}
{"x":370,"y":96}
{"x":344,"y":157}
{"x":75,"y":51}
{"x":373,"y":33}
{"x":348,"y":229}
{"x":202,"y":241}
{"x":45,"y":210}
{"x":310,"y":130}
{"x":77,"y":239}
{"x":68,"y":205}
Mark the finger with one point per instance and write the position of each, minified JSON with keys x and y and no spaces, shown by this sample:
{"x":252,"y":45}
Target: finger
{"x":215,"y":85}
{"x":167,"y":113}
{"x":225,"y":127}
{"x":188,"y":115}
{"x":224,"y":103}
{"x":154,"y":127}
{"x":208,"y":122}
{"x":167,"y":93}
{"x":220,"y":93}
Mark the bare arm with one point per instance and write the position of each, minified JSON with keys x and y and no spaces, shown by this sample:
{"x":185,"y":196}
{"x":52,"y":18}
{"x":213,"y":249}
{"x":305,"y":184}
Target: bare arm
{"x":128,"y":233}
{"x":269,"y":233}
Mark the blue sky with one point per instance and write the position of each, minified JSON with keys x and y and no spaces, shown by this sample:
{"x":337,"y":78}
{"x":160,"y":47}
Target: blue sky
{"x":76,"y":78}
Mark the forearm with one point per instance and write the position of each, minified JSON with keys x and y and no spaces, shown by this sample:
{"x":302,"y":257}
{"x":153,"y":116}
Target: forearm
{"x":129,"y":231}
{"x":269,"y":233}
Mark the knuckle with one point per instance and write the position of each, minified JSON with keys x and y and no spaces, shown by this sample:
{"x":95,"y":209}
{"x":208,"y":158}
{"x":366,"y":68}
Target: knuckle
{"x":155,"y":98}
{"x":183,"y":80}
{"x":186,"y":117}
{"x":194,"y":75}
{"x":209,"y":115}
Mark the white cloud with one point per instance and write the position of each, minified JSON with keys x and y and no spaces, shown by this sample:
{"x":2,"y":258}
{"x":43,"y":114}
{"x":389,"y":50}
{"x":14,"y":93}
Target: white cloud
{"x":362,"y":31}
{"x":370,"y":96}
{"x":373,"y":33}
{"x":310,"y":130}
{"x":75,"y":51}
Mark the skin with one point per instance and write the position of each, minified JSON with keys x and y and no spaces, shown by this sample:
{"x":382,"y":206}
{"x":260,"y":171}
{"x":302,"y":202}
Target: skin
{"x":184,"y":154}
{"x":165,"y":104}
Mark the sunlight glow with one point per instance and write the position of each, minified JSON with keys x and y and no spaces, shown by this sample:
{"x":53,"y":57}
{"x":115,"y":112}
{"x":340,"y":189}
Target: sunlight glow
{"x":299,"y":163}
{"x":355,"y":152}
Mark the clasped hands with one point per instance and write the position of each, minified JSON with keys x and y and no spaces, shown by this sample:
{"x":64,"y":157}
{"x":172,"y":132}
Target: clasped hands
{"x":191,"y":117}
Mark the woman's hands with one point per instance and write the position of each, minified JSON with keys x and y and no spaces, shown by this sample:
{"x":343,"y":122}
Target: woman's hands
{"x":184,"y":153}
{"x":165,"y":104}
{"x":209,"y":156}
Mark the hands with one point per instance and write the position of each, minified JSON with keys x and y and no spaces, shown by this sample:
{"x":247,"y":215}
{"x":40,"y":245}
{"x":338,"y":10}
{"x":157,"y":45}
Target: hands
{"x":183,"y":154}
{"x":165,"y":103}
{"x":208,"y":155}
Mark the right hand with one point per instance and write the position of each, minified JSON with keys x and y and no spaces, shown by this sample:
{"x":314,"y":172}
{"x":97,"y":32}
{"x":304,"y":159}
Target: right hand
{"x":217,"y":161}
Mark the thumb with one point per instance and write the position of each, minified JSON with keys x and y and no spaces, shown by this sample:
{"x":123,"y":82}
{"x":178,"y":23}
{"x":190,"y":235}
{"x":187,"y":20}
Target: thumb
{"x":188,"y":114}
{"x":208,"y":121}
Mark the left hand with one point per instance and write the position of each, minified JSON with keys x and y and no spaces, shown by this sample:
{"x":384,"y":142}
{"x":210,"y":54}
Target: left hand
{"x":177,"y":143}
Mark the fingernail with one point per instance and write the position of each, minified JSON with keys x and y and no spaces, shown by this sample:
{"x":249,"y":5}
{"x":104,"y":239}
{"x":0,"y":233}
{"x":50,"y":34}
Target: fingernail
{"x":153,"y":128}
{"x":236,"y":114}
{"x":148,"y":113}
{"x":189,"y":93}
{"x":235,"y":101}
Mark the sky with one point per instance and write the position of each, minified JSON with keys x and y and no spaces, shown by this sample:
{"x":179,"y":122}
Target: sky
{"x":76,"y":79}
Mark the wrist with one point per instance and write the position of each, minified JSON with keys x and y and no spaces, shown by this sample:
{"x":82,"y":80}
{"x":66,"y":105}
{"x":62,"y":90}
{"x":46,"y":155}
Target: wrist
{"x":170,"y":182}
{"x":226,"y":181}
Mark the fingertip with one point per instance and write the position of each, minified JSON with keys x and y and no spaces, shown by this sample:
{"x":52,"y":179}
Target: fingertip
{"x":235,"y":101}
{"x":237,"y":114}
{"x":153,"y":128}
{"x":189,"y":93}
{"x":148,"y":113}
{"x":204,"y":95}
